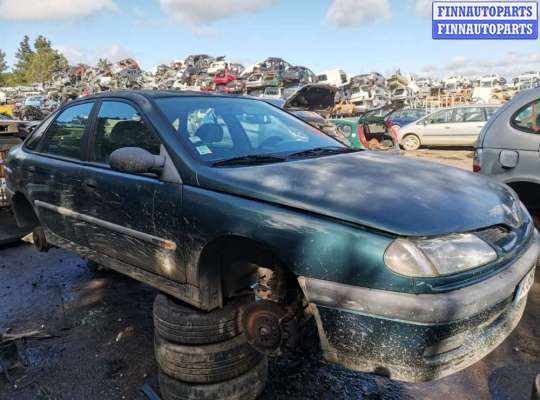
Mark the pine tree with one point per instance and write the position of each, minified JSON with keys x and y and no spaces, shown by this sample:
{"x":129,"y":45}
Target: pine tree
{"x":44,"y":62}
{"x":103,"y":63}
{"x":3,"y":68}
{"x":23,"y":56}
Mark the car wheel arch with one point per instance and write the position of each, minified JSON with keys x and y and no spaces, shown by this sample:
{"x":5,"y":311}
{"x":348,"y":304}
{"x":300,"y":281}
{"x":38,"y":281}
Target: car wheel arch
{"x":25,"y":215}
{"x":228,"y":265}
{"x":528,"y":192}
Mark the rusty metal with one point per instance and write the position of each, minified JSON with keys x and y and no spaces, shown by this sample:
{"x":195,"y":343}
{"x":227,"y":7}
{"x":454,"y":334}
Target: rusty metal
{"x":262,"y":326}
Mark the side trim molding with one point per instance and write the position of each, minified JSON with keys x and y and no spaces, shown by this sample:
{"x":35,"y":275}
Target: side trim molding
{"x":157,"y":241}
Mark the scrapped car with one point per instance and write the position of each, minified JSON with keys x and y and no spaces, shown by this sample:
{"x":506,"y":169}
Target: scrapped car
{"x":223,"y":78}
{"x":375,"y":125}
{"x":34,"y":101}
{"x":258,"y":221}
{"x":368,"y":131}
{"x":298,"y":75}
{"x":312,"y":103}
{"x":453,"y":126}
{"x":508,"y":148}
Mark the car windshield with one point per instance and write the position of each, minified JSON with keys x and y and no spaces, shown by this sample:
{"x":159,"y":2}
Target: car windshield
{"x":219,"y":128}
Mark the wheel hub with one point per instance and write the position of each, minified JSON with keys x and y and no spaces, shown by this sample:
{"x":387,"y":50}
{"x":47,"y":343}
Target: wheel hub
{"x":262,"y":325}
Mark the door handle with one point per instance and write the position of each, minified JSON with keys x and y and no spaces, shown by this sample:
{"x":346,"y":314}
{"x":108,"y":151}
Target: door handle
{"x":447,"y":127}
{"x":32,"y":168}
{"x":89,"y":184}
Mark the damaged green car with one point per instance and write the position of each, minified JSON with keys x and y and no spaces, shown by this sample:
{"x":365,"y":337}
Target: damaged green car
{"x":249,"y":221}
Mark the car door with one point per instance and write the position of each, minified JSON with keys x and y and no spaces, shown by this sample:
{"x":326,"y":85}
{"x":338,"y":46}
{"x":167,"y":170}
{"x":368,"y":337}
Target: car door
{"x":136,"y":219}
{"x":436,"y":128}
{"x":467,"y":122}
{"x":525,"y":140}
{"x":52,"y":172}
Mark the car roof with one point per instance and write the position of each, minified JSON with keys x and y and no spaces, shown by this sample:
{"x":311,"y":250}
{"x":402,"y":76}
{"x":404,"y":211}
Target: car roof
{"x":467,"y":106}
{"x":155,"y":94}
{"x":528,"y":95}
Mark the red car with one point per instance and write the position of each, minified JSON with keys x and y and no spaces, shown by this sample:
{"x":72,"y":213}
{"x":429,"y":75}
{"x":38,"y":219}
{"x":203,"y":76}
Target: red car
{"x":222,"y":78}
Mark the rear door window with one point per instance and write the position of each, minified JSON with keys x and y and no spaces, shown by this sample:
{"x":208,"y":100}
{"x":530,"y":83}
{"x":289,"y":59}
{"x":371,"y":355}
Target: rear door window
{"x":64,"y":137}
{"x":528,"y":118}
{"x":469,"y":114}
{"x":440,"y":117}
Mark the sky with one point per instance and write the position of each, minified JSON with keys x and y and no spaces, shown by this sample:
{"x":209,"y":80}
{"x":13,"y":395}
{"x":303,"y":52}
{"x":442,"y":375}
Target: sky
{"x":357,"y":36}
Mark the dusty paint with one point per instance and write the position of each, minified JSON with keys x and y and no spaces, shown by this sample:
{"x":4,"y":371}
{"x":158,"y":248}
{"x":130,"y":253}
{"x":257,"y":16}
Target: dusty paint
{"x":399,"y":350}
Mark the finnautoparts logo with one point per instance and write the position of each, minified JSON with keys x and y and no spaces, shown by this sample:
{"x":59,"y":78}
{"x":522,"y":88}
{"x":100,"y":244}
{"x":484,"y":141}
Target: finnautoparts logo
{"x":485,"y":20}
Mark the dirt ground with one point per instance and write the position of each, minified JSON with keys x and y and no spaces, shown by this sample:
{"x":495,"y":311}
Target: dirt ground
{"x":101,"y":339}
{"x":453,"y":158}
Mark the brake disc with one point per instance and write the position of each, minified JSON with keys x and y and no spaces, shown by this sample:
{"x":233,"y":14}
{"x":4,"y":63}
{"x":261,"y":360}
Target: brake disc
{"x":262,"y":326}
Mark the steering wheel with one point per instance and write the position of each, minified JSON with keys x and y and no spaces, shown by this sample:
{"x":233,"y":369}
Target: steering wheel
{"x":270,"y":141}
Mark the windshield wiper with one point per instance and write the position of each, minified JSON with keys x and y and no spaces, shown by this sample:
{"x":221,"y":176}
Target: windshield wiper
{"x":322,"y":151}
{"x":249,"y":160}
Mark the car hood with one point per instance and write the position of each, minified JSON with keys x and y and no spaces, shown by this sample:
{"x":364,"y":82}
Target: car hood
{"x":394,"y":194}
{"x":312,"y":97}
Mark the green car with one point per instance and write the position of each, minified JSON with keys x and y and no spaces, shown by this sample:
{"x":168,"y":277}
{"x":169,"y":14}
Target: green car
{"x":369,"y":131}
{"x":249,"y":221}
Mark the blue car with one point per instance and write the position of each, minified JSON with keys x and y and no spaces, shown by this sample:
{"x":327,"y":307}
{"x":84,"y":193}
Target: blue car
{"x":34,"y":101}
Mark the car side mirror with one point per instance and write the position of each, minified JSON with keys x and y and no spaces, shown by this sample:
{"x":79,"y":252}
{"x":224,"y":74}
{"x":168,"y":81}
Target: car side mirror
{"x":135,"y":160}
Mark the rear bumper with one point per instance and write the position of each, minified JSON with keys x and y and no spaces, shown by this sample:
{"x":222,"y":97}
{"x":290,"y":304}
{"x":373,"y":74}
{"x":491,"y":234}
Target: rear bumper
{"x":416,"y":338}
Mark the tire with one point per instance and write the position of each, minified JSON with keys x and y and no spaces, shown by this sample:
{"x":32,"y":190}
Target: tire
{"x":206,"y":364}
{"x":183,"y":324}
{"x":244,"y":387}
{"x":40,"y":240}
{"x":410,"y":142}
{"x":95,"y":267}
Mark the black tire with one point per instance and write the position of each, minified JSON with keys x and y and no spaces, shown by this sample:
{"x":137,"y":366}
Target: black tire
{"x":180,"y":323}
{"x":95,"y":267}
{"x":40,"y":240}
{"x":245,"y":387}
{"x":206,"y":364}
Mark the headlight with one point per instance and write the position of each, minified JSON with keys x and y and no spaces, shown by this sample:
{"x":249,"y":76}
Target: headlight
{"x":441,"y":256}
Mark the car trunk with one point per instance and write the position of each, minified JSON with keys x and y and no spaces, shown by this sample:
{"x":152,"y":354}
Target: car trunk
{"x":375,"y":133}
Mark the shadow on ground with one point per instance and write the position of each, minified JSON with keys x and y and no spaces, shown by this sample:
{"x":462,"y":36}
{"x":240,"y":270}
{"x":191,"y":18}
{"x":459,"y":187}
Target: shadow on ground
{"x":102,"y":343}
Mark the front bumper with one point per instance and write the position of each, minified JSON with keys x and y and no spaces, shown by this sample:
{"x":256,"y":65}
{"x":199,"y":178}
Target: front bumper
{"x":416,"y":338}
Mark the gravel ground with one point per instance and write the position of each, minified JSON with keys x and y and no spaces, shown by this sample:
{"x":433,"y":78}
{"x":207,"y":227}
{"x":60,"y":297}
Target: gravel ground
{"x":454,"y":158}
{"x":101,"y":345}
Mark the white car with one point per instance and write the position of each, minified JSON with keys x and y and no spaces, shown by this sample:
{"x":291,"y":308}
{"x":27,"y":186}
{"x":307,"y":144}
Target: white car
{"x":453,"y":126}
{"x":335,"y":77}
{"x":216,"y":67}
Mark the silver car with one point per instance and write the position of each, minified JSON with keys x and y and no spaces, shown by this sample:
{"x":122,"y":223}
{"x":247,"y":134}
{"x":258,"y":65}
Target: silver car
{"x":508,"y":148}
{"x":453,"y":126}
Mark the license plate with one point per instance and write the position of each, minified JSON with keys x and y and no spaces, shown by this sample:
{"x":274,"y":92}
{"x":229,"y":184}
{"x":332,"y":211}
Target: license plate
{"x":524,"y":286}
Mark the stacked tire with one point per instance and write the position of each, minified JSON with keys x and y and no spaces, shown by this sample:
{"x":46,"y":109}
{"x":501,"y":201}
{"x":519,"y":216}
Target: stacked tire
{"x":204,"y":355}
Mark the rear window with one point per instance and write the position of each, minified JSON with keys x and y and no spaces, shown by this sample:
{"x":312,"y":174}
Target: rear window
{"x":64,"y":137}
{"x":528,"y":118}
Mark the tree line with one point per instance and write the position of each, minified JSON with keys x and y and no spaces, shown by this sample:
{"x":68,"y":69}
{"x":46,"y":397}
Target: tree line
{"x":33,"y":64}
